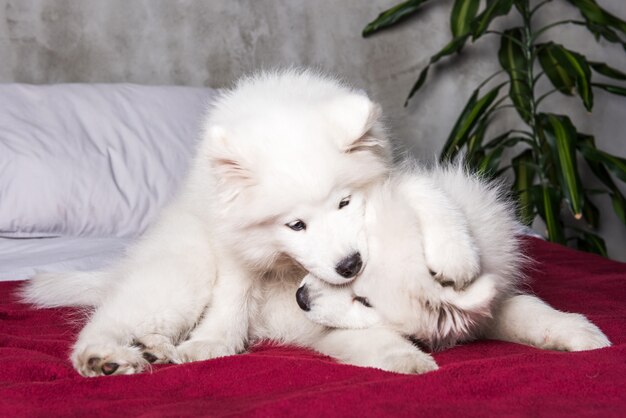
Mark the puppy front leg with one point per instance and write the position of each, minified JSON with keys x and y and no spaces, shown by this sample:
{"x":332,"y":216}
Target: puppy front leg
{"x":526,"y":319}
{"x":449,"y":248}
{"x":143,"y":314}
{"x":380,"y":348}
{"x":223,"y":329}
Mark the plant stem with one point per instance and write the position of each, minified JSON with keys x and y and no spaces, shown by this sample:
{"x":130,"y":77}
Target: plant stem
{"x":506,"y":106}
{"x":540,"y":99}
{"x":528,"y":48}
{"x":539,"y":6}
{"x":538,"y":33}
{"x":515,"y":41}
{"x":488,"y":79}
{"x":495,"y":107}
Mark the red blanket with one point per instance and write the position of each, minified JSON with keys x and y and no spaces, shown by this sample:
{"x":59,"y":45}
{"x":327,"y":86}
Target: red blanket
{"x":476,"y":379}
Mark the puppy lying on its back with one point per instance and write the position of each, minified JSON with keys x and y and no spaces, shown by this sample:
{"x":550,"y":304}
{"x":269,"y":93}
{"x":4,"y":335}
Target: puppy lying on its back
{"x":396,"y":289}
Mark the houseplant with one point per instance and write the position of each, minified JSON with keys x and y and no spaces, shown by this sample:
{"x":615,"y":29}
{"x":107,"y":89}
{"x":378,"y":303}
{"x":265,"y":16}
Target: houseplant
{"x":546,"y":171}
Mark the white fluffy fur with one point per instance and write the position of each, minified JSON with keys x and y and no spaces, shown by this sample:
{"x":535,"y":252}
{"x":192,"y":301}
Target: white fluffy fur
{"x":405,"y":231}
{"x":220,"y":268}
{"x":277,"y":146}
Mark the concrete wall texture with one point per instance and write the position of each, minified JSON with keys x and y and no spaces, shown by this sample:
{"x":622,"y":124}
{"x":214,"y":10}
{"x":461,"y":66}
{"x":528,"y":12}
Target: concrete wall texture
{"x":211,"y":43}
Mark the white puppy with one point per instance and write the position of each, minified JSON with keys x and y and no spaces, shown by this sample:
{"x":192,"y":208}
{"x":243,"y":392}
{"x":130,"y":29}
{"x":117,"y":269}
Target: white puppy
{"x":397,"y":291}
{"x":272,"y":142}
{"x":277,"y":185}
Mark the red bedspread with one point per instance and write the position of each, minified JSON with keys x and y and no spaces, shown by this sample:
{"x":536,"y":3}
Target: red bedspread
{"x":476,"y":379}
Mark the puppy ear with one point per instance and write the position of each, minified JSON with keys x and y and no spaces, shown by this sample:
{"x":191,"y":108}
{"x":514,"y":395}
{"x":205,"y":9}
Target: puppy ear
{"x":360,"y":119}
{"x":370,"y":139}
{"x":226,"y":163}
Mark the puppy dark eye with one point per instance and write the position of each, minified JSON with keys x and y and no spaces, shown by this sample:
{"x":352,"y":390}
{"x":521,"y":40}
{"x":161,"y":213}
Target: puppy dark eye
{"x":362,"y":300}
{"x":344,"y":202}
{"x":297,"y":225}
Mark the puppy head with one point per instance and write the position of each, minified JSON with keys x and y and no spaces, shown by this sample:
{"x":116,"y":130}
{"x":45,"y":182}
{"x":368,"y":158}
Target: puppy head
{"x":335,"y":306}
{"x":441,"y":319}
{"x":339,"y":140}
{"x":290,"y":169}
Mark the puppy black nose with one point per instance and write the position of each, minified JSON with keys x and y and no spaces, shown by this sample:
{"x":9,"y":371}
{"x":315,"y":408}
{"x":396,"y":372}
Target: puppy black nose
{"x":302,"y":297}
{"x":349,"y":266}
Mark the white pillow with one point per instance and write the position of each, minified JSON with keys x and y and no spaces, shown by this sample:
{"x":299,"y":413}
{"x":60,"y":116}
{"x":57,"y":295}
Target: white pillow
{"x":96,"y":160}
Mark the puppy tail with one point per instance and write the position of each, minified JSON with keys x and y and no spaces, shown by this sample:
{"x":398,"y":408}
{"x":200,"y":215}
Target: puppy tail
{"x":49,"y":290}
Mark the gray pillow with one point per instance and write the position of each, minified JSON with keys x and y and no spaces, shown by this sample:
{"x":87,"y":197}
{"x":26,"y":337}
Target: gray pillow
{"x":93,"y":159}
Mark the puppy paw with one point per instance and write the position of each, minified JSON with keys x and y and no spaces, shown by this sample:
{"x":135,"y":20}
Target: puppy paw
{"x":455,"y":265}
{"x":576,"y":333}
{"x":198,"y":350}
{"x":157,"y":349}
{"x":104,"y":360}
{"x":408,"y":362}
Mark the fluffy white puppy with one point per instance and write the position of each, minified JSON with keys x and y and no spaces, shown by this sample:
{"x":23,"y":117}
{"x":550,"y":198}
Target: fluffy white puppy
{"x":277,"y":186}
{"x":397,"y":291}
{"x":268,"y":143}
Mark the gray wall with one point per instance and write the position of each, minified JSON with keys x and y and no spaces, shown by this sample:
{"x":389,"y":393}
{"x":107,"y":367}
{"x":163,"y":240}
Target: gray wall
{"x":210,"y":43}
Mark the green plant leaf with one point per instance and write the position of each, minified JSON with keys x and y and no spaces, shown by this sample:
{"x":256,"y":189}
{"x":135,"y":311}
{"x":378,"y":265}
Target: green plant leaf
{"x":591,"y":243}
{"x":475,"y":152}
{"x":463,"y":13}
{"x":597,"y":15}
{"x":587,"y":147}
{"x":392,"y":16}
{"x":513,"y":60}
{"x":448,"y":152}
{"x":521,"y":6}
{"x":574,"y":64}
{"x":418,"y":84}
{"x":476,"y":138}
{"x":579,"y":67}
{"x":619,"y":206}
{"x":497,"y":140}
{"x":591,"y":214}
{"x":473,"y":160}
{"x":486,"y":160}
{"x":549,"y":206}
{"x":453,"y":46}
{"x":602,"y":68}
{"x":600,"y":22}
{"x":505,"y":140}
{"x":489,"y":164}
{"x":619,"y":90}
{"x":586,"y":144}
{"x":524,"y":169}
{"x":557,"y":74}
{"x":605,"y":32}
{"x":471,"y":114}
{"x":614,"y":163}
{"x":561,"y":136}
{"x":494,"y":9}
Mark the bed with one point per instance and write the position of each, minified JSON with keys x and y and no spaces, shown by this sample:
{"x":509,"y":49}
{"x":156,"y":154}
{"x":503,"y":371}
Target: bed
{"x":85,"y":168}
